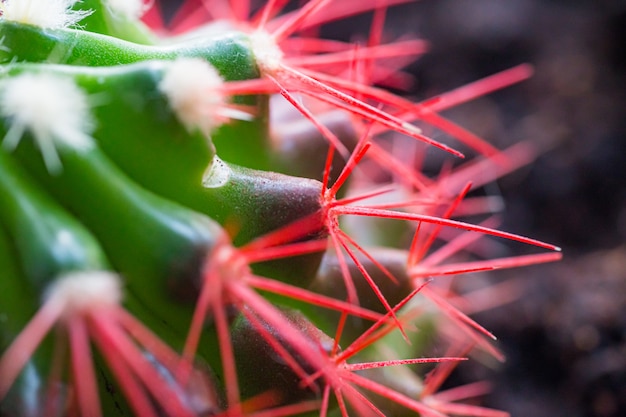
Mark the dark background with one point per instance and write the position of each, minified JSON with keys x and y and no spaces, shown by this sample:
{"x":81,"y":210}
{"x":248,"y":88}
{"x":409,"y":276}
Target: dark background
{"x":565,"y":337}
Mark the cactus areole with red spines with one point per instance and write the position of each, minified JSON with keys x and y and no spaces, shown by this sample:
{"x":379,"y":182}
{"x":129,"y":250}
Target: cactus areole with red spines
{"x":160,"y":255}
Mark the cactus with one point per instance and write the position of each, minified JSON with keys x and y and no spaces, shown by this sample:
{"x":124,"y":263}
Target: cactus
{"x":212,"y":217}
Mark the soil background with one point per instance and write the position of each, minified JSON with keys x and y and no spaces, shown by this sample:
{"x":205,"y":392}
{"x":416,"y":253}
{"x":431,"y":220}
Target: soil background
{"x":565,"y":336}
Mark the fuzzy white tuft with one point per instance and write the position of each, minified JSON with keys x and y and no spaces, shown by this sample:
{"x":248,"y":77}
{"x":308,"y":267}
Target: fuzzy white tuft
{"x":127,"y":9}
{"x":193,"y":88}
{"x":53,"y":109}
{"x":81,"y":291}
{"x":268,"y":55}
{"x":48,"y":14}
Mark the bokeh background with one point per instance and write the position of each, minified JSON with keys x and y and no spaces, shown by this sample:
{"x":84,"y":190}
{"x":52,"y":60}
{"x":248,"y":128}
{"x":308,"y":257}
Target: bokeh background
{"x":565,"y":336}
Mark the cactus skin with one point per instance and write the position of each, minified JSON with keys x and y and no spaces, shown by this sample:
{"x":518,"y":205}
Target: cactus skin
{"x":229,"y":262}
{"x":18,"y":302}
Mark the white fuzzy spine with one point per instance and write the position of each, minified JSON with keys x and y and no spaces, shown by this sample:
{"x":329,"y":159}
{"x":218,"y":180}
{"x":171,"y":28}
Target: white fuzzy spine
{"x":193,"y":88}
{"x":52,"y":108}
{"x":127,"y":9}
{"x":268,"y":55}
{"x":48,"y":14}
{"x":81,"y":291}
